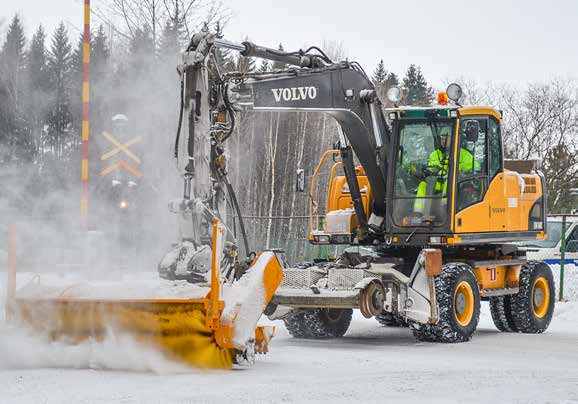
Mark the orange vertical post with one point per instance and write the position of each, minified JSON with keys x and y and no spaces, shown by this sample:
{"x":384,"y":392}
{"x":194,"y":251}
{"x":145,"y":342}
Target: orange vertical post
{"x":11,"y":273}
{"x":214,"y":304}
{"x":85,"y":113}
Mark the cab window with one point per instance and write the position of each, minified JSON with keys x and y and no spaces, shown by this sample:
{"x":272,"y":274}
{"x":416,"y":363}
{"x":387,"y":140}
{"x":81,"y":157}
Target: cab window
{"x":421,"y":174}
{"x":472,"y":161}
{"x":495,"y":148}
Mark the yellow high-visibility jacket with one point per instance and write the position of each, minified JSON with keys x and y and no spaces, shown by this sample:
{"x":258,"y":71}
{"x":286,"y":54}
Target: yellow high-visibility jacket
{"x":438,"y":158}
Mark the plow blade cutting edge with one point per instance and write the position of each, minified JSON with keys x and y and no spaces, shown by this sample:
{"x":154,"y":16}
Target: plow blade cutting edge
{"x":207,"y":332}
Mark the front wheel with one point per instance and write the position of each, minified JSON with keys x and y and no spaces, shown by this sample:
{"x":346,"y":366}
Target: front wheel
{"x":458,"y":302}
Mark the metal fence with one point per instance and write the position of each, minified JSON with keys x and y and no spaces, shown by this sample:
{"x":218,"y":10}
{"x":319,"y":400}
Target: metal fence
{"x":44,"y":244}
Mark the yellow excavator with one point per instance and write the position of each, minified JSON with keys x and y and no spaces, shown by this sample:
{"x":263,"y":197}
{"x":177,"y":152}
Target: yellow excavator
{"x":430,"y":218}
{"x":431,"y":213}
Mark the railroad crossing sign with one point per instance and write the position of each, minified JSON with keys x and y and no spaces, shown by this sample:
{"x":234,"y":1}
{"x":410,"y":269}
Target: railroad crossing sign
{"x":123,"y":149}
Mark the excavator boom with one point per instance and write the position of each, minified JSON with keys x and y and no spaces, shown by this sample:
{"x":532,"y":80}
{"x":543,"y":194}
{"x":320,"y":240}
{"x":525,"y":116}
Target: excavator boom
{"x":342,"y":90}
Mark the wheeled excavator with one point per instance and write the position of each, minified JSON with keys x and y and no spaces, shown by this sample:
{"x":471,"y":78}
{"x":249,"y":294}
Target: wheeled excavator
{"x":431,"y":213}
{"x":421,"y":197}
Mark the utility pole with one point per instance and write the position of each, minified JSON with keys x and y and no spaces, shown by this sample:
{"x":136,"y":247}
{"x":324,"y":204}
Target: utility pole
{"x":85,"y":114}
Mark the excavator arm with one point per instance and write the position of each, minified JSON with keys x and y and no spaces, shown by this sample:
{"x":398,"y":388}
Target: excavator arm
{"x":312,"y":83}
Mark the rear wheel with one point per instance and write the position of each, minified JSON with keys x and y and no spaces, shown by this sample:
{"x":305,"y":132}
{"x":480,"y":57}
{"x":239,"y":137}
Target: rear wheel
{"x":533,"y":306}
{"x":319,"y":323}
{"x":391,"y":320}
{"x":501,"y":310}
{"x":458,"y":302}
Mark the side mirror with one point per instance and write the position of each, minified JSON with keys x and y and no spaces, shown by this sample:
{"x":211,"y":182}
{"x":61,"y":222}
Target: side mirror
{"x":472,"y":131}
{"x":300,"y":180}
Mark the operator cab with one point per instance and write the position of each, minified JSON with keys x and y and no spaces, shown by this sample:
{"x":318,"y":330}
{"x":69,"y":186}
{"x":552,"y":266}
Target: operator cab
{"x":434,"y":147}
{"x":448,"y":183}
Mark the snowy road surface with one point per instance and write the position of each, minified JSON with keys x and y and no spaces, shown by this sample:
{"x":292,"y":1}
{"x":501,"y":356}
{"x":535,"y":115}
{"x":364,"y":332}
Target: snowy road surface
{"x":370,"y":364}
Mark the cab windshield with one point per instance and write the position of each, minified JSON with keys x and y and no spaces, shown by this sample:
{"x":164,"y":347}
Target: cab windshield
{"x":421,"y":175}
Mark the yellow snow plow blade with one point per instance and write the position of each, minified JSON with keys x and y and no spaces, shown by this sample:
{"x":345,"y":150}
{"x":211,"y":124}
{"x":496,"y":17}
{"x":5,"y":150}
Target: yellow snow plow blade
{"x":177,"y":327}
{"x":186,"y":330}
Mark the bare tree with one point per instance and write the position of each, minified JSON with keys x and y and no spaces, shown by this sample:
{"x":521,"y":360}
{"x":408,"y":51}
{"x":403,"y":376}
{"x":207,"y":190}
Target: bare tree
{"x":540,"y":118}
{"x":542,"y":122}
{"x":187,"y":16}
{"x":473,"y":92}
{"x":334,"y":49}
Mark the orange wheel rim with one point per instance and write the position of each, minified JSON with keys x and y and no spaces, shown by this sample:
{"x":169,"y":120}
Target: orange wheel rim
{"x":464,"y":303}
{"x":540,"y":297}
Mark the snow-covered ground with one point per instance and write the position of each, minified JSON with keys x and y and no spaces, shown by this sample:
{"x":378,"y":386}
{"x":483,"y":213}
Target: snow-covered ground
{"x":370,"y":364}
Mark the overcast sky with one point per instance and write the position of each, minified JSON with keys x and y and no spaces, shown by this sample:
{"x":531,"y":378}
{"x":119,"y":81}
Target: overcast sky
{"x":512,"y":41}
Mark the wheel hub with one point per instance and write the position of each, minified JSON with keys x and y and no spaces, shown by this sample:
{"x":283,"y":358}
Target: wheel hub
{"x":463,"y":304}
{"x":538,"y":297}
{"x":460,"y":303}
{"x":371,"y":299}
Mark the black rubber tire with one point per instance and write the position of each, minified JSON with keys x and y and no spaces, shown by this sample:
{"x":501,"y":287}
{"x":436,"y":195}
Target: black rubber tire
{"x":500,"y":308}
{"x":319,"y":323}
{"x":390,"y":320}
{"x":448,"y":329}
{"x":521,"y":303}
{"x":297,"y":325}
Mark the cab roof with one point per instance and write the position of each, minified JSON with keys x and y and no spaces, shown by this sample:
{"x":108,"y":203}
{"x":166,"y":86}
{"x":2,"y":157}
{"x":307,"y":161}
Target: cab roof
{"x":442,"y":111}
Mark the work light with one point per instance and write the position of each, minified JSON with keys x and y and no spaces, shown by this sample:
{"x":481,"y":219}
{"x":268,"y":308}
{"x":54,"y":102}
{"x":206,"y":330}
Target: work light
{"x":394,"y":94}
{"x":454,"y":92}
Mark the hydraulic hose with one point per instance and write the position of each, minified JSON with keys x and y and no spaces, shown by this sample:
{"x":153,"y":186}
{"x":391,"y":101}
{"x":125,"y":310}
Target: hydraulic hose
{"x":180,"y":118}
{"x":225,"y":90}
{"x":235,"y":203}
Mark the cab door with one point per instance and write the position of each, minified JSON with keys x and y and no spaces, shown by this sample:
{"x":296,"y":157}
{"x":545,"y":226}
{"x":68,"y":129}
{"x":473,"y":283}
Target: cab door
{"x":501,"y":208}
{"x":471,"y":167}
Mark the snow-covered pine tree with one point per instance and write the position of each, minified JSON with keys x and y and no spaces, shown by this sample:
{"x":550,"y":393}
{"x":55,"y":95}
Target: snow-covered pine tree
{"x":60,"y":81}
{"x":245,"y":64}
{"x":265,"y":66}
{"x":223,"y":55}
{"x":418,"y":91}
{"x":102,"y":89}
{"x":13,"y":57}
{"x":14,"y":129}
{"x":37,"y":80}
{"x":379,"y":78}
{"x":76,"y":58}
{"x":379,"y":74}
{"x":392,"y":80}
{"x":99,"y":54}
{"x":141,"y":51}
{"x":169,"y":42}
{"x":278,"y":65}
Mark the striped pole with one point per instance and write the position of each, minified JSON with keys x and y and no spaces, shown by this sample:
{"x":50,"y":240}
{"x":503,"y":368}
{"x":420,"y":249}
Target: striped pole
{"x":11,"y":273}
{"x":85,"y":100}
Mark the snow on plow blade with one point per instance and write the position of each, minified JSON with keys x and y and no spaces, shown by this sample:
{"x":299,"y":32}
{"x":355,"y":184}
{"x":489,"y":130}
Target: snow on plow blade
{"x":207,"y":332}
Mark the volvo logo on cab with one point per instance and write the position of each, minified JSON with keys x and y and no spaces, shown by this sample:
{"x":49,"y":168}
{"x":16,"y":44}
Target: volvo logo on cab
{"x":294,"y":93}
